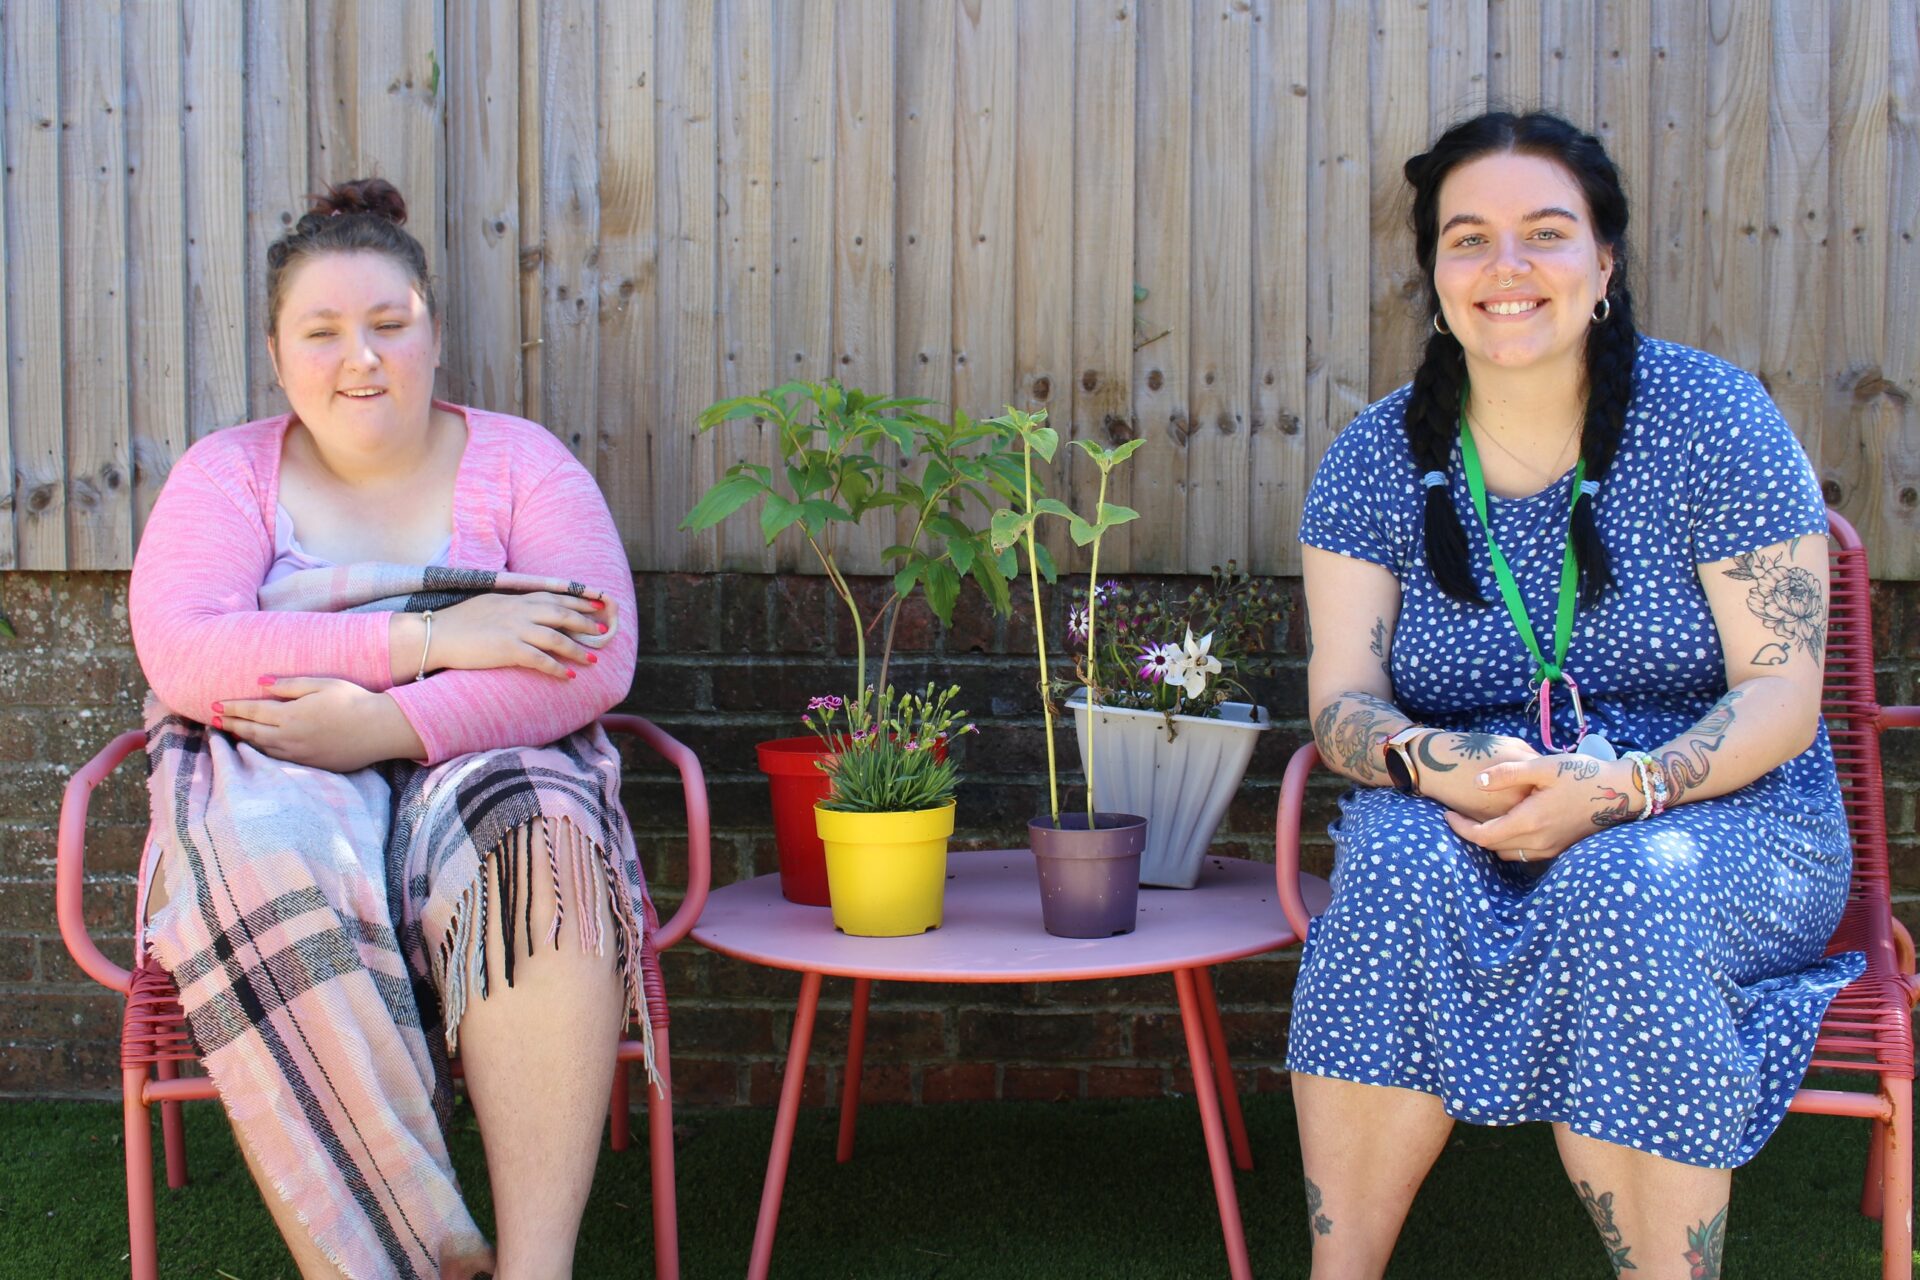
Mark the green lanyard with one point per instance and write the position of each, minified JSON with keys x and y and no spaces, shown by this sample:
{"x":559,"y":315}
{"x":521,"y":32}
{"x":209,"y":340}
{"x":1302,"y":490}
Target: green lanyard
{"x":1545,"y":671}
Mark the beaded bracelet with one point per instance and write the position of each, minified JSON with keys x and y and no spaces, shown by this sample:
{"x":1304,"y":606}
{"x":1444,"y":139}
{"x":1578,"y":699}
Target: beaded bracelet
{"x":1662,"y":789}
{"x":1639,"y":761}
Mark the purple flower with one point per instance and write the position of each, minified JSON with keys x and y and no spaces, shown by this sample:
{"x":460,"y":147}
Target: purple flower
{"x":1156,"y":660}
{"x":1104,"y":592}
{"x":1077,"y":624}
{"x":829,"y":703}
{"x":913,"y":744}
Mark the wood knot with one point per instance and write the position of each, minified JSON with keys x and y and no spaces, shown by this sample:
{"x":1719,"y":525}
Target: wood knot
{"x":1119,"y":429}
{"x":1089,"y":380}
{"x":1154,"y":380}
{"x":1042,"y":388}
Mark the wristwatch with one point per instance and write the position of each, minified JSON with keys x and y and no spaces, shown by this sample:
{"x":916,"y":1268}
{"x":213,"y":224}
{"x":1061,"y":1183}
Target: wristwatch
{"x":1402,"y":769}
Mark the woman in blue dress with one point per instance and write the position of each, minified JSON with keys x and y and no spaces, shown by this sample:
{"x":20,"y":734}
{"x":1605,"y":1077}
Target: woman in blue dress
{"x":1596,"y":849}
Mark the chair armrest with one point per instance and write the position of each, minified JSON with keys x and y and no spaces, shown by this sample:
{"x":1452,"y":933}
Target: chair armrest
{"x":693,"y":781}
{"x":70,"y":870}
{"x":1286,"y":838}
{"x":1900,"y":717}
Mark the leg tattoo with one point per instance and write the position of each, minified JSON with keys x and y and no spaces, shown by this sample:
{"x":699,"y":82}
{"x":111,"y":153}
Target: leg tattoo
{"x":1707,"y":1246}
{"x":1322,"y":1224}
{"x":1599,"y":1207}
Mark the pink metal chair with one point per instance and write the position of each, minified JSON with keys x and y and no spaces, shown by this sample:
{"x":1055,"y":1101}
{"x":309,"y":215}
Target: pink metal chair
{"x":154,"y":1040}
{"x":1869,"y":1027}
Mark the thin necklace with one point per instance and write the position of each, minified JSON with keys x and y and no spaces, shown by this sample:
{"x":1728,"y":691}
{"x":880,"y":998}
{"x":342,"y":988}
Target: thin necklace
{"x":1553,"y":468}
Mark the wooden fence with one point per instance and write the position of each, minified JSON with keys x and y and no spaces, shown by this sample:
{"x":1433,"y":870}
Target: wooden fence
{"x":1178,"y":219}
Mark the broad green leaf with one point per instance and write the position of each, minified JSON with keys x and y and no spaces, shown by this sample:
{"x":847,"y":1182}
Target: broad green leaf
{"x":1044,"y":558}
{"x":1127,"y":450}
{"x":1081,"y":532}
{"x":994,"y":583}
{"x":961,"y":551}
{"x":1112,"y":515}
{"x":1054,"y":507}
{"x":1007,"y":528}
{"x":943,"y":589}
{"x":896,"y":551}
{"x":903,"y":581}
{"x":1008,"y":561}
{"x":820,"y":512}
{"x":947,"y":527}
{"x":738,"y":407}
{"x":778,"y":514}
{"x":722,"y":501}
{"x":1044,"y":440}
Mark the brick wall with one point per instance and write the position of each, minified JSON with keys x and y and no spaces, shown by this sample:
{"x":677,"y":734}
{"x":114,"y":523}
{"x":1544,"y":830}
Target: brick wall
{"x":727,"y":660}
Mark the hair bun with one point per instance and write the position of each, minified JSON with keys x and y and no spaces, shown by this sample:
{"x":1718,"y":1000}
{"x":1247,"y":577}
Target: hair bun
{"x":376,"y":196}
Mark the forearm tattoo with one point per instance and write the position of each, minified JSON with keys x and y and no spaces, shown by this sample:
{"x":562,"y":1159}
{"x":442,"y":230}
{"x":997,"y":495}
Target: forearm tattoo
{"x":1599,"y":1207}
{"x":1378,"y":647}
{"x":1348,"y":730}
{"x":1707,"y":1246}
{"x":1688,"y":759}
{"x":1787,"y":599}
{"x":1430,"y":763}
{"x":1621,"y":808}
{"x":1322,"y":1224}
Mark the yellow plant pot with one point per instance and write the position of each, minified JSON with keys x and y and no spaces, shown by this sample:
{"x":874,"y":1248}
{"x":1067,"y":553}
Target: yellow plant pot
{"x":886,"y":872}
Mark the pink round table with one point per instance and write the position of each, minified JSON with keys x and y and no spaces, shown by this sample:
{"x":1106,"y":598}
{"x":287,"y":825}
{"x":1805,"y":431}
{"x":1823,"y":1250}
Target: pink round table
{"x":992,"y":933}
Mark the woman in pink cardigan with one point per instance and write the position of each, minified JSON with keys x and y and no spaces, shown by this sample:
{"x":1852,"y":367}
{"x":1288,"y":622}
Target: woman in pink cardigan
{"x":379,"y":630}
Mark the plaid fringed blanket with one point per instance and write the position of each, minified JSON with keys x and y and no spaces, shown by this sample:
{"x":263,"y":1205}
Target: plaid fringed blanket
{"x":327,"y":931}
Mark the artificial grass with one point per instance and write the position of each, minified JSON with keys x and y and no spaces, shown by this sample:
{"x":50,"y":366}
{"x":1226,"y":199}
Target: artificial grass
{"x":1014,"y":1191}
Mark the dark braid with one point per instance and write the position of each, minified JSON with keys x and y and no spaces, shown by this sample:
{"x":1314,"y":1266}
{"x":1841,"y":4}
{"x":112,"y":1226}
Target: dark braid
{"x":1433,"y":409}
{"x":365,"y":215}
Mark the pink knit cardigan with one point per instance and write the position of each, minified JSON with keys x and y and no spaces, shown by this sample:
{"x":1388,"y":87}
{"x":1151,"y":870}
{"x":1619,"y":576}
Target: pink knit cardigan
{"x":521,"y":502}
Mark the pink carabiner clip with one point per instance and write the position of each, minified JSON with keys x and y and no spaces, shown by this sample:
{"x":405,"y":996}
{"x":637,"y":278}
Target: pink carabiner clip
{"x":1546,"y":714}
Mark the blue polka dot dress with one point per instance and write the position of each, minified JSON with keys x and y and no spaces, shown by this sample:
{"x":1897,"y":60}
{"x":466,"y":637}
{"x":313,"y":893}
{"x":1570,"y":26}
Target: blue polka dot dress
{"x":1659,"y":984}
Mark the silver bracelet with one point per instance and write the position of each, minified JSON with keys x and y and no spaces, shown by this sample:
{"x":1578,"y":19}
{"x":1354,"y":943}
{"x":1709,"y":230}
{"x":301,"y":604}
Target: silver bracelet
{"x":422,"y":673}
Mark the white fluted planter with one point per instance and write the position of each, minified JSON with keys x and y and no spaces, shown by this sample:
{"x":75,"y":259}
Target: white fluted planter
{"x":1182,"y":787}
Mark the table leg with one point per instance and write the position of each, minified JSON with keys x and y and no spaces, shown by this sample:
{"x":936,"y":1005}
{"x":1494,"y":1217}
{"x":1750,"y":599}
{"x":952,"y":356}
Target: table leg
{"x":1193,"y":1021}
{"x":850,"y":1088}
{"x":783,"y":1125}
{"x":1223,"y":1070}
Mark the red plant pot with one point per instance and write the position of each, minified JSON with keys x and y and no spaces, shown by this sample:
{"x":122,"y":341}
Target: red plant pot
{"x":794,"y":775}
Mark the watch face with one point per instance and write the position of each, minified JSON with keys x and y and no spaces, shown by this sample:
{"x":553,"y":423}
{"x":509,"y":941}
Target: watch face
{"x":1397,"y":771}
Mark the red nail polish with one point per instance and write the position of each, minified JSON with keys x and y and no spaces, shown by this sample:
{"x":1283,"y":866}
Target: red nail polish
{"x":599,"y":604}
{"x":572,"y":674}
{"x":266,"y":679}
{"x":593,"y":657}
{"x":603,"y":628}
{"x":216,"y":722}
{"x":218,"y":711}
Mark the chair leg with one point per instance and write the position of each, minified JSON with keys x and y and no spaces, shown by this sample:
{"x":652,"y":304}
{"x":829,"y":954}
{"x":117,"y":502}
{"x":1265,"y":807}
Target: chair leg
{"x":666,"y":1217}
{"x":1871,"y":1199}
{"x":172,"y":1133}
{"x":856,"y":1056}
{"x":143,"y":1248}
{"x":1896,"y":1209}
{"x":619,"y":1111}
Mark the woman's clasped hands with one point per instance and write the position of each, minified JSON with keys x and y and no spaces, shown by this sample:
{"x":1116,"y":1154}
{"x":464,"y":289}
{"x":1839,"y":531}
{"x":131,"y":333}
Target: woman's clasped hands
{"x":1549,"y":803}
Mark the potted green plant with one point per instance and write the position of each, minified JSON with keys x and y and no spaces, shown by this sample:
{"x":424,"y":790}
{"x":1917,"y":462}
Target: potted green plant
{"x":1173,"y":740}
{"x":1088,"y":863}
{"x":845,"y":455}
{"x":888,"y":816}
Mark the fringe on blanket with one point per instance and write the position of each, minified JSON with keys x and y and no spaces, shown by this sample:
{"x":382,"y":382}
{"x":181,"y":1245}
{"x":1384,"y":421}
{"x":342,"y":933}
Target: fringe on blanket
{"x":460,"y":961}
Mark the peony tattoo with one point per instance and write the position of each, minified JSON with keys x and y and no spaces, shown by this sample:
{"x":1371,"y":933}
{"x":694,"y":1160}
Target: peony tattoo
{"x":1787,"y":599}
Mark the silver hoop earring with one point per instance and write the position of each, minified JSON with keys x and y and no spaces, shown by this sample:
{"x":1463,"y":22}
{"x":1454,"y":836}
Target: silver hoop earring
{"x":1440,"y":326}
{"x":1602,"y":310}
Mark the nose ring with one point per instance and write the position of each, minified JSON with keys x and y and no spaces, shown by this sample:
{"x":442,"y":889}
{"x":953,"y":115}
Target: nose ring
{"x":1506,"y":282}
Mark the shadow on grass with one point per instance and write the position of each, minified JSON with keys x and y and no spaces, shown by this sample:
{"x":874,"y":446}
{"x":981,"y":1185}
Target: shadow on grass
{"x":1027,"y":1191}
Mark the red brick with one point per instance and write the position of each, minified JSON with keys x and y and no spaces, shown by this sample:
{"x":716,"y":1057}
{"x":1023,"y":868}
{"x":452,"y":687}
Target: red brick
{"x":56,"y":966}
{"x":991,"y":1033}
{"x":67,"y":1016}
{"x":764,"y":1080}
{"x":803,"y":612}
{"x":886,"y":1082}
{"x":1257,"y":1036}
{"x":707,"y":1029}
{"x":974,"y":628}
{"x":958,"y":1082}
{"x":1159,"y":1037}
{"x":1041,"y":1084}
{"x":892,"y":1034}
{"x":16,"y":959}
{"x":705,"y":1082}
{"x":688,"y":617}
{"x":1126,"y":1082}
{"x":69,"y":1067}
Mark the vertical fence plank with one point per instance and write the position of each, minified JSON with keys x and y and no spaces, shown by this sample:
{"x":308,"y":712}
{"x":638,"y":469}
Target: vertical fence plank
{"x":1670,"y":213}
{"x":1567,"y":33}
{"x":1898,"y":548}
{"x":332,"y":75}
{"x":864,"y":255}
{"x":9,"y":548}
{"x":688,"y":191}
{"x":1733,"y":276}
{"x":220,"y":342}
{"x":924,"y":243}
{"x":1793,"y":331}
{"x":1280,"y":167}
{"x":35,"y":355}
{"x":985,"y":63}
{"x":1218,"y":451}
{"x":1513,"y":58}
{"x":397,"y":117}
{"x":570,"y":226}
{"x":533,"y":247}
{"x":1044,"y":199}
{"x":1861,"y":414}
{"x":277,"y":164}
{"x":628,"y":303}
{"x":482,"y":327}
{"x":93,"y":168}
{"x":1399,"y":107}
{"x":157,"y":245}
{"x":1168,"y":323}
{"x":1337,"y":199}
{"x":746,"y":113}
{"x":803,"y":210}
{"x":1103,"y":114}
{"x":1621,"y":92}
{"x":1457,"y":69}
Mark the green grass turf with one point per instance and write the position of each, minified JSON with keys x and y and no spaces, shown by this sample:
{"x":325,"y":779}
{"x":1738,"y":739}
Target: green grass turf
{"x":1102,"y":1190}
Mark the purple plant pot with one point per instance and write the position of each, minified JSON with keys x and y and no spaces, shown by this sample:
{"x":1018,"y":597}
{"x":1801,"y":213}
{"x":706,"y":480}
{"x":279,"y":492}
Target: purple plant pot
{"x":1089,"y":880}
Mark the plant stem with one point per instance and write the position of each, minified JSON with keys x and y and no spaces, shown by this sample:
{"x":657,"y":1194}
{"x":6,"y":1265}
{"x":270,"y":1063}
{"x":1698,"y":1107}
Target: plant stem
{"x":1040,"y":632}
{"x":1093,"y":666}
{"x":845,"y":592}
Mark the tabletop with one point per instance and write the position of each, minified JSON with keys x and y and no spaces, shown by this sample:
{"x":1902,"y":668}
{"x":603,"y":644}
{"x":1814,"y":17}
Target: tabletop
{"x":992,"y":931}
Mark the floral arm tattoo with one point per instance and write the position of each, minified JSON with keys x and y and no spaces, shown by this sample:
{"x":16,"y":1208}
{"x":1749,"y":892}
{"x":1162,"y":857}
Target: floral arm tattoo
{"x":1348,"y":730}
{"x":1689,"y":758}
{"x":1787,"y":599}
